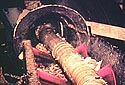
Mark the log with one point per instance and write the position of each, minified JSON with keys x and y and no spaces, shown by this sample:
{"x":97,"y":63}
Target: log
{"x":104,"y":30}
{"x":72,"y":63}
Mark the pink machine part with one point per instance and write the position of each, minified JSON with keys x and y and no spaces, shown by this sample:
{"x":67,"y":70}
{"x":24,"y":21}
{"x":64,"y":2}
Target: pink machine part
{"x":106,"y":72}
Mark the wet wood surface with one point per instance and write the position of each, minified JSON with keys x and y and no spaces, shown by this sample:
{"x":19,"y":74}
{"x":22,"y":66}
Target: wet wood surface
{"x":107,"y":30}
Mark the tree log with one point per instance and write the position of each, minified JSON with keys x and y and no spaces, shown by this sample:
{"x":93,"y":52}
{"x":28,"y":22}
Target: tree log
{"x":74,"y":66}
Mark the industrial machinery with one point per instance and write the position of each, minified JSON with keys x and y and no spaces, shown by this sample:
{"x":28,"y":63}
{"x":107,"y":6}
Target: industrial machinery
{"x":57,"y":45}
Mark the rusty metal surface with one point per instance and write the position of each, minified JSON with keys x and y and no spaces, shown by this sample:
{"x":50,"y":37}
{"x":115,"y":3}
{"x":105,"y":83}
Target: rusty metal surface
{"x":32,"y":4}
{"x":30,"y":63}
{"x":30,"y":21}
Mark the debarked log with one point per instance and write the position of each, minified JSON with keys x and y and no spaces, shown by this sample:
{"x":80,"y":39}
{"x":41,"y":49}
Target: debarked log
{"x":79,"y":72}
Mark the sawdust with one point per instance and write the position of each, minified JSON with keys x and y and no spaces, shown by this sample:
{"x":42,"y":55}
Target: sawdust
{"x":102,"y":50}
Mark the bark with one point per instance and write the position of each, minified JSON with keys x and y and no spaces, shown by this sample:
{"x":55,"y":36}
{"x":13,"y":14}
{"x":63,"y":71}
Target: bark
{"x":30,"y":63}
